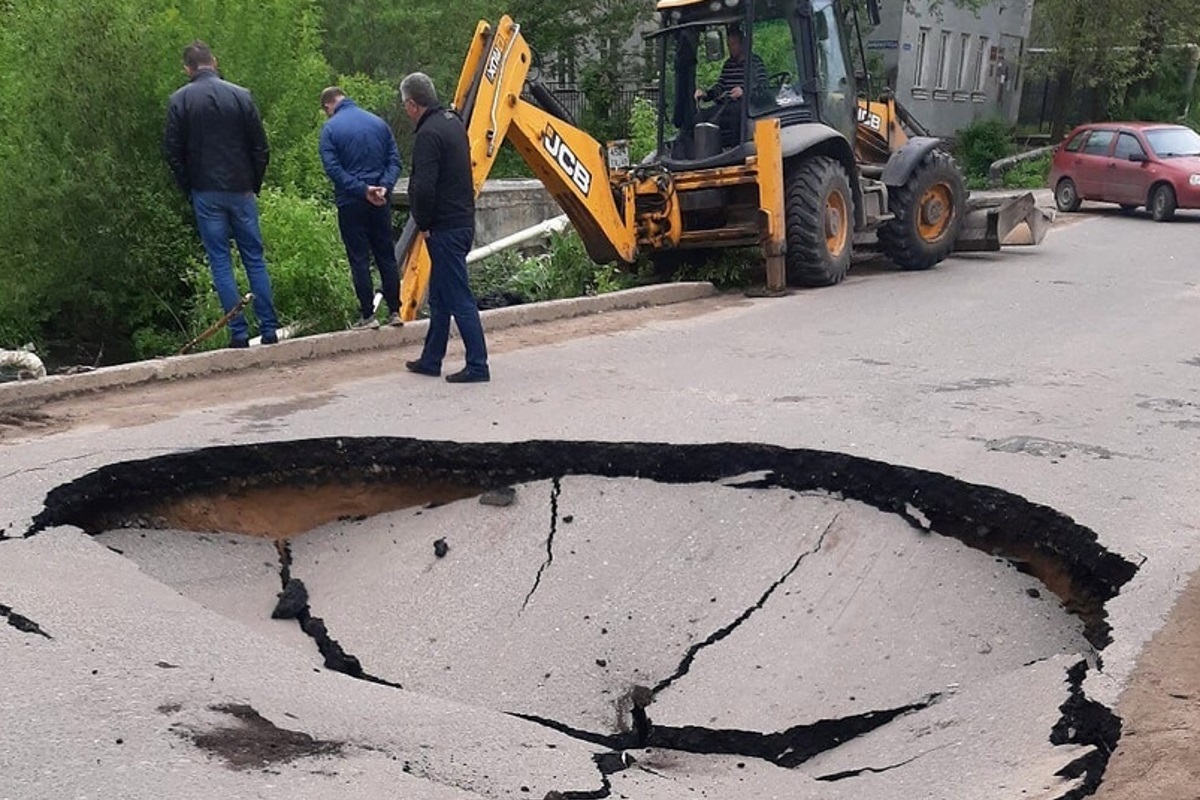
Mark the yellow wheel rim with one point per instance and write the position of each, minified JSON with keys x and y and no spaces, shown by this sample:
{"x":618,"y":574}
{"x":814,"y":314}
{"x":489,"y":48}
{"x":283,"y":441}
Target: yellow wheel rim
{"x":934,"y":212}
{"x":837,"y":229}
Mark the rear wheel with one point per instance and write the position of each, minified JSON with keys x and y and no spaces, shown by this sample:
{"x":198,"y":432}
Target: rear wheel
{"x":1066,"y":196}
{"x":928,"y":211}
{"x":1162,"y":203}
{"x":820,"y":222}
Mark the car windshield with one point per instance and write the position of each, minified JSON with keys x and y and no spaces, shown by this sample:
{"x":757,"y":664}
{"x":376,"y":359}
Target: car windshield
{"x":1171,"y":142}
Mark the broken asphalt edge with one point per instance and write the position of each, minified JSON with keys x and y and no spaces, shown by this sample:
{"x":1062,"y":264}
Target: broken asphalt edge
{"x":19,"y":394}
{"x":1052,"y":546}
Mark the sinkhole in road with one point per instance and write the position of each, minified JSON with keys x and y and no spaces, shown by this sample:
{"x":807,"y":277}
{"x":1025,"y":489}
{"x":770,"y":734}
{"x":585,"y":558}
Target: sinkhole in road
{"x":837,"y":616}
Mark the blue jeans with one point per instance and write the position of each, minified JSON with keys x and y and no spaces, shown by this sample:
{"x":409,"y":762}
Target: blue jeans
{"x":450,"y":296}
{"x":367,"y":230}
{"x":220,"y":216}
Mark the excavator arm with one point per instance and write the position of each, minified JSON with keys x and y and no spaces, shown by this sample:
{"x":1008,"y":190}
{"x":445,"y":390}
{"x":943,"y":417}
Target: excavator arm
{"x":568,"y":162}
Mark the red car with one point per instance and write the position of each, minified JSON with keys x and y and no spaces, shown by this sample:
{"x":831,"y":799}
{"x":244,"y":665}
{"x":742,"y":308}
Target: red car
{"x":1129,"y":163}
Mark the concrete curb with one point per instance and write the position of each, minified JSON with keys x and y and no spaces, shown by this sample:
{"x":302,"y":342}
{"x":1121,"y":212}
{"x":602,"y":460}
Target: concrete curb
{"x":22,"y":393}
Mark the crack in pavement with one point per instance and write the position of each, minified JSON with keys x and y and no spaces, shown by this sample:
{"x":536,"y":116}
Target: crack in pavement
{"x":1087,"y":722}
{"x":555,"y":491}
{"x":787,"y":748}
{"x":293,"y":604}
{"x":853,"y":773}
{"x":66,"y":459}
{"x":690,"y":656}
{"x":607,"y":764}
{"x":22,"y":623}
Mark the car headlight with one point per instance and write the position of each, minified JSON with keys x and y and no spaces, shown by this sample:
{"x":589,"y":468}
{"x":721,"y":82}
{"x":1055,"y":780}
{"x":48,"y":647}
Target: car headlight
{"x":1194,"y":180}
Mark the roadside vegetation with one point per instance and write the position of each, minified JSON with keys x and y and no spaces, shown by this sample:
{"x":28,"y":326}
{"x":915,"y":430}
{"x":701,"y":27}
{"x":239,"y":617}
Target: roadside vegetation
{"x":101,"y":263}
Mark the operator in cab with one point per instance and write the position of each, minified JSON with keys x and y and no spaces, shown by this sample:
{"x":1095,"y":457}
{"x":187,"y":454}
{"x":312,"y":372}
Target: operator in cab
{"x":727,"y":91}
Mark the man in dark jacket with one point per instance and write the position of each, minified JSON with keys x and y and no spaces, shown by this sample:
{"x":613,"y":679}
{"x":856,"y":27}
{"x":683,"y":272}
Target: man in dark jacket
{"x":441,"y":193}
{"x":360,"y":157}
{"x":217,"y":149}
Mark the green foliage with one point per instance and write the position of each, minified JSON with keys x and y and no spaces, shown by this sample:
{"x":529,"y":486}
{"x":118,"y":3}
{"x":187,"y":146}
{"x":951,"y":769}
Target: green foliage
{"x":100,"y":253}
{"x":600,"y":86}
{"x":981,"y":143}
{"x":1150,"y":107}
{"x":564,"y":270}
{"x":724,"y":269}
{"x":1028,"y":174}
{"x":310,"y":277}
{"x":643,"y":129}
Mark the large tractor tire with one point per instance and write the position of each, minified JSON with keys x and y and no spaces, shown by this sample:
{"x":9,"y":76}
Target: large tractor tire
{"x":929,"y":210}
{"x":820,"y":222}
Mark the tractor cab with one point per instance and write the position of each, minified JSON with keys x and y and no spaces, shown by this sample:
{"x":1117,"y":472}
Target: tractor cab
{"x":724,"y":64}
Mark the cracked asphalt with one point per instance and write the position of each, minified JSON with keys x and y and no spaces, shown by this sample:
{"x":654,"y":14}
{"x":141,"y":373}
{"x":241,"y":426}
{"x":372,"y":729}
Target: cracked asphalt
{"x":777,"y":643}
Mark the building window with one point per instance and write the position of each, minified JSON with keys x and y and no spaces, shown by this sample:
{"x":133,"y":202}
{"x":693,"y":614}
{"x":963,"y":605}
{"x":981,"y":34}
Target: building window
{"x":919,"y":76}
{"x":943,"y":61}
{"x":964,"y":61}
{"x":981,"y":64}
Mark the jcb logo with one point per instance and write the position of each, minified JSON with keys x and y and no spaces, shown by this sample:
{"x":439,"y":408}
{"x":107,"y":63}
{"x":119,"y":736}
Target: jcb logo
{"x":566,"y":159}
{"x":493,"y":65}
{"x":872,"y":121}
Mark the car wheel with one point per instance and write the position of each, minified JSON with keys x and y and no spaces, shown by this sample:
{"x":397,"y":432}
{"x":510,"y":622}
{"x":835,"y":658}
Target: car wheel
{"x":1066,"y":196}
{"x":1162,"y":203}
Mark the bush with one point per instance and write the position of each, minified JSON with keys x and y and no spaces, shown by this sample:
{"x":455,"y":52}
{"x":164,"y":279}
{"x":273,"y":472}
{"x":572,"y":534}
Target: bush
{"x":1151,"y":107}
{"x":981,"y":143}
{"x":643,"y":129}
{"x":1028,"y":174}
{"x":564,"y":270}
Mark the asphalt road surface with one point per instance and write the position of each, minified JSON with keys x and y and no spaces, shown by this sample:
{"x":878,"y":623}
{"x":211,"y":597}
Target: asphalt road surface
{"x":617,"y":635}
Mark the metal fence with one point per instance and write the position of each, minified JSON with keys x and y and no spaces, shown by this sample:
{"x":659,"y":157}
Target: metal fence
{"x":1037,"y":104}
{"x":575,"y":101}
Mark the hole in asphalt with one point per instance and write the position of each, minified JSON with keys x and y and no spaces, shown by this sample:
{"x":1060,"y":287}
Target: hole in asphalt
{"x":724,"y":600}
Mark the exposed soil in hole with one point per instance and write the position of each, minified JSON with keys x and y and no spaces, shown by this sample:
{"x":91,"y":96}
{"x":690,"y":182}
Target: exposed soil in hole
{"x":254,"y":742}
{"x":281,"y":512}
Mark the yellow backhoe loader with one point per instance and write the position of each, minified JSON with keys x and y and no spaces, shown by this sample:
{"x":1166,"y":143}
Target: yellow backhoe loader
{"x":778,"y":160}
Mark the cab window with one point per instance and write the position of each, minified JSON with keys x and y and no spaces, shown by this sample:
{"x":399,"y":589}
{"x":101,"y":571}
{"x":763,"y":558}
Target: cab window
{"x":1099,"y":143}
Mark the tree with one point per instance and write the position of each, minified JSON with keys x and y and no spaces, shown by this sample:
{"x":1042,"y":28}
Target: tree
{"x":1096,"y":45}
{"x":98,"y":242}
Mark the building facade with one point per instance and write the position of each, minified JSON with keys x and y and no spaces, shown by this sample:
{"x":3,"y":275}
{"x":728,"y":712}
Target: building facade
{"x":951,"y":66}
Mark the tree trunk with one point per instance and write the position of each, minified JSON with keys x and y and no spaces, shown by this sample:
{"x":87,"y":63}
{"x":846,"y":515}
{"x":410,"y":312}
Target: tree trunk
{"x":1063,"y":84}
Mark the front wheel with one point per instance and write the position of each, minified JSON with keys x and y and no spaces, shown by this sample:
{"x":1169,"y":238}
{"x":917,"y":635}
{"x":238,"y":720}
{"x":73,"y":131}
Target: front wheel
{"x":1066,"y":196}
{"x":820,"y":222}
{"x":1162,"y":203}
{"x":928,"y":212}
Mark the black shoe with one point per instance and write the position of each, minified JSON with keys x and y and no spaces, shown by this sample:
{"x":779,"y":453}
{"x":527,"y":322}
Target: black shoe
{"x":239,"y":344}
{"x":421,"y":369}
{"x":467,"y":376}
{"x":270,"y":338}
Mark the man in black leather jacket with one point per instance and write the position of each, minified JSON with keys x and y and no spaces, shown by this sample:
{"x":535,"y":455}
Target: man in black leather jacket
{"x":217,"y":149}
{"x":441,"y":193}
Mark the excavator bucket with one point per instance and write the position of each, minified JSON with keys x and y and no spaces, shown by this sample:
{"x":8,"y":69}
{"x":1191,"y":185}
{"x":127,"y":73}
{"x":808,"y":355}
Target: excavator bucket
{"x":990,"y":223}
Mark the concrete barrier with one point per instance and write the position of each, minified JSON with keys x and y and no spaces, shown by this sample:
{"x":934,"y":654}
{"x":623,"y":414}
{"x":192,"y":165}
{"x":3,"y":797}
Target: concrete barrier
{"x":503,"y":208}
{"x":32,"y":392}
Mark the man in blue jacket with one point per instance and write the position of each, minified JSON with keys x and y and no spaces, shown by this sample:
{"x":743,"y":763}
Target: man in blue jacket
{"x":360,"y":156}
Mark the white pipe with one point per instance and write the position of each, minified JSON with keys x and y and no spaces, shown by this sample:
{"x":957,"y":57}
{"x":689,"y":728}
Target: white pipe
{"x":556,"y":225}
{"x":26,"y":363}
